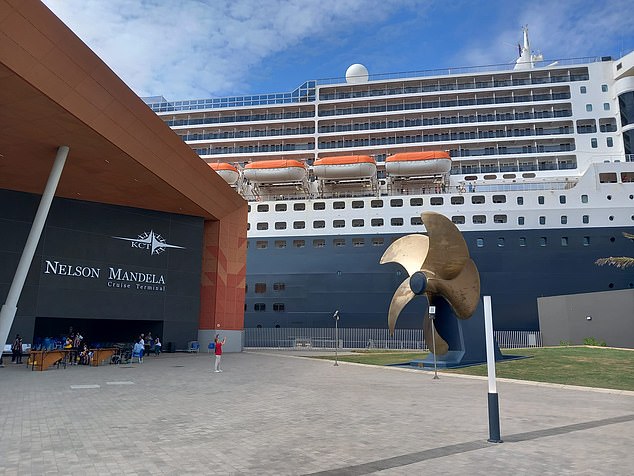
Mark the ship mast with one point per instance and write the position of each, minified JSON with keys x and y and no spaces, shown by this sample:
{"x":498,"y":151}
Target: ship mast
{"x":526,"y":59}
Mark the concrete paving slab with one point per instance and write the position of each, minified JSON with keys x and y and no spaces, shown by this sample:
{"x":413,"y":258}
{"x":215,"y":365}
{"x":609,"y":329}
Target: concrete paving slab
{"x":268,"y":414}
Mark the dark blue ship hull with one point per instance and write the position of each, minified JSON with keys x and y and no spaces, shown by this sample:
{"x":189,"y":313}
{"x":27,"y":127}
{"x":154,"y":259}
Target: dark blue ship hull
{"x":304,"y":286}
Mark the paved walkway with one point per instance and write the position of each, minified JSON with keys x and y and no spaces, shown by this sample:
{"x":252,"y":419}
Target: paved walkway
{"x":275,"y":413}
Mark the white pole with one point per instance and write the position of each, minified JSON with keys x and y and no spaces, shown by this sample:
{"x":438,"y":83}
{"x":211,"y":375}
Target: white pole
{"x":7,"y":314}
{"x":493,"y":402}
{"x":488,"y":330}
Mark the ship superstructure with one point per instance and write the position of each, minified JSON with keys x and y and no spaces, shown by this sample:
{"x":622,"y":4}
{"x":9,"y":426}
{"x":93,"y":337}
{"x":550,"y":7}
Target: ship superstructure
{"x":533,"y":161}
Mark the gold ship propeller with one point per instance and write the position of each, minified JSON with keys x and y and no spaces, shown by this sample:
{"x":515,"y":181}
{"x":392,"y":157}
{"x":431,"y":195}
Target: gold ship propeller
{"x":437,"y":265}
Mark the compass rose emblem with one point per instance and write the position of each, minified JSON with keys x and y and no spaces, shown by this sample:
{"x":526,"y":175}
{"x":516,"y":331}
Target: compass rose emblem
{"x":150,"y":241}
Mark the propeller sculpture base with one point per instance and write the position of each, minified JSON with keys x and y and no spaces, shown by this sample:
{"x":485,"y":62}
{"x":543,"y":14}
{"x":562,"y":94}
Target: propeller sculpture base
{"x":466,"y":339}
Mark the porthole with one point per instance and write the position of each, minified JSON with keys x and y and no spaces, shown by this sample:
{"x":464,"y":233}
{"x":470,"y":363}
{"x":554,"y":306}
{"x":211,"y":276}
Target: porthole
{"x":609,"y":197}
{"x":611,"y":285}
{"x":631,"y":197}
{"x":611,"y":218}
{"x":612,"y":239}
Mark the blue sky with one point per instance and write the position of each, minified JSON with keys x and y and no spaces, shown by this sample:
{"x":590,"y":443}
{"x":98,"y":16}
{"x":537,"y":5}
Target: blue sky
{"x":195,"y":49}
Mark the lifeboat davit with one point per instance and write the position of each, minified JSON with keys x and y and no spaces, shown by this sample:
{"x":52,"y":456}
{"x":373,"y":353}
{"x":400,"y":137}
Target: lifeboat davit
{"x":274,"y":171}
{"x":408,"y":164}
{"x":345,"y":167}
{"x":227,"y":171}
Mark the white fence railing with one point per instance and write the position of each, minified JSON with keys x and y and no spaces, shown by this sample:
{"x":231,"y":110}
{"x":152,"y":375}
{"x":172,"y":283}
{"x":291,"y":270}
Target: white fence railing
{"x":353,"y":338}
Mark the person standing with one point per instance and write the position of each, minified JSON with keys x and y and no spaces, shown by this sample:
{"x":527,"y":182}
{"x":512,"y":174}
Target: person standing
{"x":16,"y":350}
{"x":218,"y":351}
{"x":157,"y":346}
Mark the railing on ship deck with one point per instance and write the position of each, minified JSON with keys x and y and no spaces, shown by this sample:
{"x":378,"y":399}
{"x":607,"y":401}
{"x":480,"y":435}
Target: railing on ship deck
{"x":405,"y":339}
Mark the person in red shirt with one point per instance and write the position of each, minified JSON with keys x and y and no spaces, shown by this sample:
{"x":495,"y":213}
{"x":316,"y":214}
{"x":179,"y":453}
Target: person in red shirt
{"x":218,"y":351}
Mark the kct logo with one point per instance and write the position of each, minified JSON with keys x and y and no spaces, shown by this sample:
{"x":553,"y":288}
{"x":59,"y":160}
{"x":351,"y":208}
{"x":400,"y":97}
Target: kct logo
{"x":150,"y":241}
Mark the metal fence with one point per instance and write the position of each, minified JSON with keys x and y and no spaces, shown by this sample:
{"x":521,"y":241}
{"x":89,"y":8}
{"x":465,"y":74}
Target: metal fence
{"x":353,"y":338}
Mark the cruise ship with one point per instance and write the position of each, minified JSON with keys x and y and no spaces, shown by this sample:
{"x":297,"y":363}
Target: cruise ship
{"x":533,"y":161}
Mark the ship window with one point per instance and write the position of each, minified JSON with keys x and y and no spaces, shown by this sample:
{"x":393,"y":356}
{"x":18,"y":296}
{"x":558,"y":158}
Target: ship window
{"x":584,"y":199}
{"x":358,"y":242}
{"x":339,"y":205}
{"x":500,"y":242}
{"x":490,"y":177}
{"x":396,"y":202}
{"x":261,"y":245}
{"x":338,"y":223}
{"x":606,"y":106}
{"x":416,"y":202}
{"x":319,"y":206}
{"x":508,"y":176}
{"x":564,"y":241}
{"x":604,"y":88}
{"x":377,"y":222}
{"x":263,"y":208}
{"x":279,"y":286}
{"x":262,"y":226}
{"x":589,"y":107}
{"x":396,"y":222}
{"x":457,"y":200}
{"x":416,"y":221}
{"x":611,"y":218}
{"x":299,"y":225}
{"x":542,"y":220}
{"x":249,"y":208}
{"x":278,"y":306}
{"x":339,"y":242}
{"x":280,"y":244}
{"x":458,"y":219}
{"x":259,"y":306}
{"x":627,"y":177}
{"x":358,"y":223}
{"x":522,"y":241}
{"x":280,"y":207}
{"x":607,"y":177}
{"x":248,"y":226}
{"x":299,"y":243}
{"x":562,"y":199}
{"x":520,"y":220}
{"x":564,"y":219}
{"x":436,"y":201}
{"x":528,"y":175}
{"x":471,"y":177}
{"x":540,"y":199}
{"x":319,"y":224}
{"x":499,"y":218}
{"x":593,"y":143}
{"x":582,"y":89}
{"x":260,"y":288}
{"x":280,"y":225}
{"x":479,"y":219}
{"x":479,"y":242}
{"x":298,"y":207}
{"x":378,"y":241}
{"x":543,"y":241}
{"x":376,"y":203}
{"x":609,"y":142}
{"x":585,"y":219}
{"x":358,"y":204}
{"x":477,"y":199}
{"x":499,"y":198}
{"x":586,"y":241}
{"x":319,"y":243}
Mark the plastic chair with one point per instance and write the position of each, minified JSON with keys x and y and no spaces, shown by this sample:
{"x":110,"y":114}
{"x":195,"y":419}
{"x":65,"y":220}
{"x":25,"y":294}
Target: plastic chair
{"x":211,"y":347}
{"x":194,"y":346}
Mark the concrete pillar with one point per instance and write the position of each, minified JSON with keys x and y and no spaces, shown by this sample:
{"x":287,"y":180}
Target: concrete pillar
{"x":7,"y":314}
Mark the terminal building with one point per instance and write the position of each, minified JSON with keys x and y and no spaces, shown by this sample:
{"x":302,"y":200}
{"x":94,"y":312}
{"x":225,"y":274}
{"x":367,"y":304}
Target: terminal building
{"x":141,"y":235}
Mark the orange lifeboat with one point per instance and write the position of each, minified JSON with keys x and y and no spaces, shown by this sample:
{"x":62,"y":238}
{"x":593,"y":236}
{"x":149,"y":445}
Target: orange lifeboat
{"x":274,"y":171}
{"x":227,"y":171}
{"x":345,"y":167}
{"x":408,"y":164}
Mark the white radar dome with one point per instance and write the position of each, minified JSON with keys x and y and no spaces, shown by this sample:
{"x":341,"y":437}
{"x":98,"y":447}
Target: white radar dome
{"x":357,"y":73}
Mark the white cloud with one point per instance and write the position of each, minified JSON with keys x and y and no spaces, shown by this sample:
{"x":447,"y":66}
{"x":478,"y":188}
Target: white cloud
{"x":202,"y":48}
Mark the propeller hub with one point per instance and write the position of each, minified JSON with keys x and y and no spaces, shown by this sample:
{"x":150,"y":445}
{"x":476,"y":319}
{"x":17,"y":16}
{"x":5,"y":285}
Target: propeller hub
{"x":418,"y":283}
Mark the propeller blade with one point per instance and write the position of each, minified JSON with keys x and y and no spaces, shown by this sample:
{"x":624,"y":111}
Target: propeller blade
{"x":461,"y":292}
{"x":440,"y":344}
{"x":409,"y":251}
{"x":448,"y":251}
{"x":401,"y":297}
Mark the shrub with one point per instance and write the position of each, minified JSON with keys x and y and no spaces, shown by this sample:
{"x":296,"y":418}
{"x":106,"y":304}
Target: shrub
{"x":564,"y":342}
{"x":594,"y":342}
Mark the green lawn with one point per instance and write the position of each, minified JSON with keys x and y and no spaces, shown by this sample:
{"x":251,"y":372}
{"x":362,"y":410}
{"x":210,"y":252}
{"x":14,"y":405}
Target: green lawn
{"x":585,"y":366}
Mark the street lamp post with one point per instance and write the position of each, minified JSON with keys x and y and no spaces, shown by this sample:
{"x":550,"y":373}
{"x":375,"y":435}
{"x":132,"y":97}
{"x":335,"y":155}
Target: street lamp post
{"x":336,"y":317}
{"x":432,"y":316}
